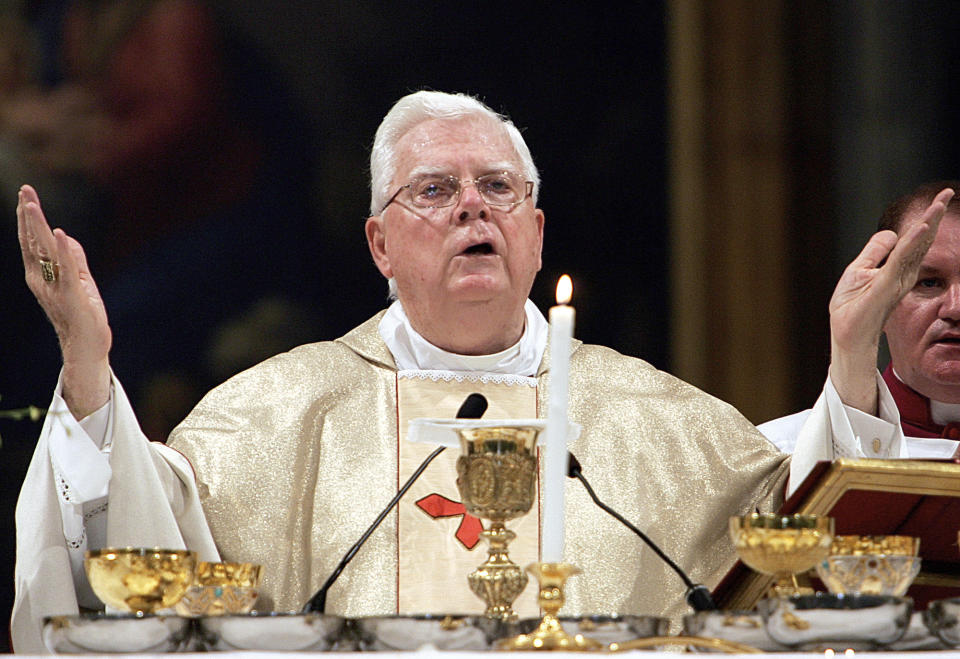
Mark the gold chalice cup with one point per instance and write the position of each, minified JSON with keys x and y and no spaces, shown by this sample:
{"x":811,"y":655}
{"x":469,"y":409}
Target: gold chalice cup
{"x":221,"y":589}
{"x":140,"y":580}
{"x":782,"y":545}
{"x":497,"y":479}
{"x":870,"y":564}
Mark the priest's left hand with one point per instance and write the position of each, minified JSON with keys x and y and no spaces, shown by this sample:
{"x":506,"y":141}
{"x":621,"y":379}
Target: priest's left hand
{"x":869,"y":289}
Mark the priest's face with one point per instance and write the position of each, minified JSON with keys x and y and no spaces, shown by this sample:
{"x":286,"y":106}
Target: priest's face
{"x":468,"y":254}
{"x":923,"y":331}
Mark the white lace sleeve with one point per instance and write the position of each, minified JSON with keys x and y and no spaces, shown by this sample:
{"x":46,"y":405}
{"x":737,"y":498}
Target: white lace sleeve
{"x":834,"y":430}
{"x":81,"y":471}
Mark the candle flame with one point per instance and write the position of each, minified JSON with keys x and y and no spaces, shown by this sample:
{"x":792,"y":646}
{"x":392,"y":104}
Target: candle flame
{"x":564,"y":289}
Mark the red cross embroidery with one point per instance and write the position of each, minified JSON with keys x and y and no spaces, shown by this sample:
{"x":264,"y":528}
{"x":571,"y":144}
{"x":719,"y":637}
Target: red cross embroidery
{"x":436,"y":505}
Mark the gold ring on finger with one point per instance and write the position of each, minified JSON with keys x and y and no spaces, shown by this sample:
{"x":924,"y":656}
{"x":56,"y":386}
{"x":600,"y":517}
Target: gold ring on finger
{"x":48,"y":269}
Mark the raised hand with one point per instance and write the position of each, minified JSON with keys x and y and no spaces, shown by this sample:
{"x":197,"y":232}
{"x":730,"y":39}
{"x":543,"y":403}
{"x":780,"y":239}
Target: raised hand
{"x":867,"y":292}
{"x":56,"y":271}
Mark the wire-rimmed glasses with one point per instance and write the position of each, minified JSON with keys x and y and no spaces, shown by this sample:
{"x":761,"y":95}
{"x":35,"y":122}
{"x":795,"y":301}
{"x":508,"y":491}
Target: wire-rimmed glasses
{"x":498,"y":189}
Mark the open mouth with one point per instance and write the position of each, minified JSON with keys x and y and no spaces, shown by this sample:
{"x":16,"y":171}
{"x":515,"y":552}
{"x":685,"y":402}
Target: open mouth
{"x":480,"y":248}
{"x":949,"y":340}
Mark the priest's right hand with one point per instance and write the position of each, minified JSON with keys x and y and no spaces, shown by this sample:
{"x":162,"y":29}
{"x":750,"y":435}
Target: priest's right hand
{"x":56,"y":272}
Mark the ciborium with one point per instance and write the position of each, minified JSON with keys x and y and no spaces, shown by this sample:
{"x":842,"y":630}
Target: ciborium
{"x":782,"y":545}
{"x":497,"y":479}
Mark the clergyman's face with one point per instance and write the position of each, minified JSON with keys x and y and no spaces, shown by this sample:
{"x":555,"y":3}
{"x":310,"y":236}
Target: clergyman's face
{"x":467,"y":252}
{"x":923,"y":331}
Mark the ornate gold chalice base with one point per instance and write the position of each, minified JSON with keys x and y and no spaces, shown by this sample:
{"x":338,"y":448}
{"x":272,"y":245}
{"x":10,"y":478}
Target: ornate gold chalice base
{"x":782,"y":546}
{"x":497,"y":479}
{"x":550,"y":635}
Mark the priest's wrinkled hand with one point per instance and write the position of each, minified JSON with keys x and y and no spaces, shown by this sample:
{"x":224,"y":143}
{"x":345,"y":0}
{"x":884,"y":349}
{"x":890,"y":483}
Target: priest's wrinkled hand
{"x":56,"y":271}
{"x":869,"y":289}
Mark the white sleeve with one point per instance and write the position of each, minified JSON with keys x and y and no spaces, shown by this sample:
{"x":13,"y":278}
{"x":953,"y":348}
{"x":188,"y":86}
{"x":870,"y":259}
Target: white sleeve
{"x":783,"y":432}
{"x":834,"y":430}
{"x":81,"y":468}
{"x":153,"y":502}
{"x":80,"y":459}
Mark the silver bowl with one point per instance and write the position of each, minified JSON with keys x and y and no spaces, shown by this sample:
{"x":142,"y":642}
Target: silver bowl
{"x":918,"y":637}
{"x":108,"y":633}
{"x":942,"y":618}
{"x":271,"y":632}
{"x":743,"y":627}
{"x":840,"y":622}
{"x":442,"y":632}
{"x":606,"y":629}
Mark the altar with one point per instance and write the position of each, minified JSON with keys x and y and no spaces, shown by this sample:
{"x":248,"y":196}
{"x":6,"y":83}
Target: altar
{"x":866,"y":609}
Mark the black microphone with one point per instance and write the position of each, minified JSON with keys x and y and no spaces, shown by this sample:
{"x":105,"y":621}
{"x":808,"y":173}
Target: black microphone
{"x":697,"y":595}
{"x":472,"y":407}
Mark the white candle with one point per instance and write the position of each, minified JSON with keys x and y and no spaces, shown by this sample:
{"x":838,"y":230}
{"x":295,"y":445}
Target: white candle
{"x":555,"y":461}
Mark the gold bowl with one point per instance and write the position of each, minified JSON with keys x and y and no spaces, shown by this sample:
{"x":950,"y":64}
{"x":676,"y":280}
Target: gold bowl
{"x":782,"y":545}
{"x":221,"y":589}
{"x":888,"y":545}
{"x":777,"y":544}
{"x":140,"y":580}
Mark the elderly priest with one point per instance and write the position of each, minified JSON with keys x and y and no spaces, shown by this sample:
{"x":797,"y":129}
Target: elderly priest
{"x":287,"y":463}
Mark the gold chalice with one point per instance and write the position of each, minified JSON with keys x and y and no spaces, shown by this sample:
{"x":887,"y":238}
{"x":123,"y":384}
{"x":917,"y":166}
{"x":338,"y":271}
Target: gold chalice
{"x":138,"y":580}
{"x":497,"y":479}
{"x":782,"y":545}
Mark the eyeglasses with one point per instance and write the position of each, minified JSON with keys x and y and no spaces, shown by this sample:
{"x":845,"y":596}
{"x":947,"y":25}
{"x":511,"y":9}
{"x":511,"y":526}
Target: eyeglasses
{"x":500,"y":189}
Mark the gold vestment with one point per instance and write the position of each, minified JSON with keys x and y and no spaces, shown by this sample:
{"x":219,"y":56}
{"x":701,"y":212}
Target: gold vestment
{"x":295,"y":457}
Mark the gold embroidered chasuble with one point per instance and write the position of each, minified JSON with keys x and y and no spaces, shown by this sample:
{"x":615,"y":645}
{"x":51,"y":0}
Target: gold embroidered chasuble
{"x":295,"y":458}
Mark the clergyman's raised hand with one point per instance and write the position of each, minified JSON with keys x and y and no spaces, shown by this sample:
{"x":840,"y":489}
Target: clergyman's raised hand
{"x":869,"y":289}
{"x":56,"y":271}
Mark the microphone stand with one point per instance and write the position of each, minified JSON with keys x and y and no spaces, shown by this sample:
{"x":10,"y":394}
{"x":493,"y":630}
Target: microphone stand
{"x":697,"y":595}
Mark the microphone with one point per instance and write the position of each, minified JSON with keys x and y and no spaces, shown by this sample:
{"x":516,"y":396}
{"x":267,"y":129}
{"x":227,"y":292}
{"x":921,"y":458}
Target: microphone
{"x":697,"y":595}
{"x":472,"y":407}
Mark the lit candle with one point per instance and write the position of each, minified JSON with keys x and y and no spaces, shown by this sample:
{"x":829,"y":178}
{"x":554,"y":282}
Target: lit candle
{"x":555,"y":461}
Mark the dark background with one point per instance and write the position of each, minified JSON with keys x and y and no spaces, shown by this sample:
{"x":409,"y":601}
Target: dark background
{"x":872,"y":106}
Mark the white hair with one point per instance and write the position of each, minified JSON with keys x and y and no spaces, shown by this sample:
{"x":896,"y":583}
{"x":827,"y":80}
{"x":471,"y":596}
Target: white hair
{"x":421,"y":106}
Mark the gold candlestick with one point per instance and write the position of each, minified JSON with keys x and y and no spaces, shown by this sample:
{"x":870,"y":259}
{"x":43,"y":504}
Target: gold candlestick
{"x":550,"y":635}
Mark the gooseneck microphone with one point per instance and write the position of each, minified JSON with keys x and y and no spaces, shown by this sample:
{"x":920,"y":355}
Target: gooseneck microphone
{"x":697,"y":595}
{"x":472,"y":407}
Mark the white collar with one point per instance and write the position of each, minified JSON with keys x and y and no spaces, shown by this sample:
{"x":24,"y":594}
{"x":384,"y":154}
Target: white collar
{"x":413,"y":352}
{"x":944,"y":413}
{"x":940,"y":413}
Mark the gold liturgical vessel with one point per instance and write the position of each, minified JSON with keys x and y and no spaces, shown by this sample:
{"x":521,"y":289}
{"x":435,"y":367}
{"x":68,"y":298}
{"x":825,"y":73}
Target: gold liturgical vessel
{"x":782,"y":546}
{"x":497,"y":479}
